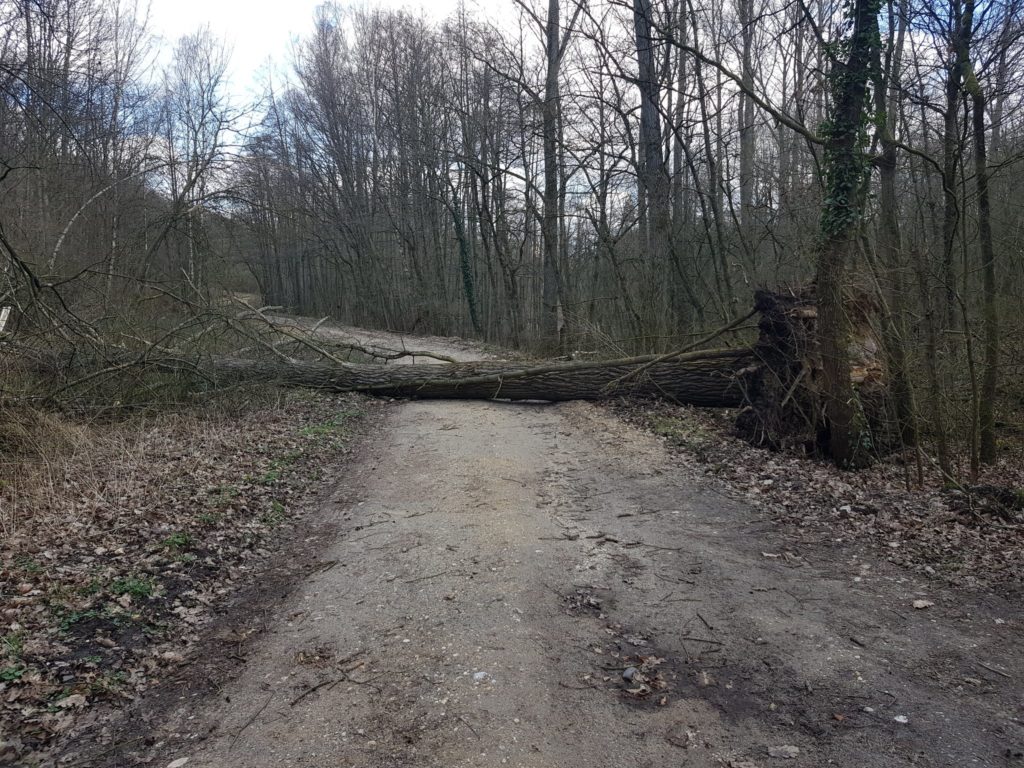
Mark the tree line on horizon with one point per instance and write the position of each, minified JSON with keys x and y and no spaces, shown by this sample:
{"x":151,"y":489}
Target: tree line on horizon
{"x":611,"y":176}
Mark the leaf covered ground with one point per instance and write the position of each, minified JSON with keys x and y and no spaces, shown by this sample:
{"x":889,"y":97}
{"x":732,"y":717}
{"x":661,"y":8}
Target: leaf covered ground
{"x":120,"y":545}
{"x":971,"y":537}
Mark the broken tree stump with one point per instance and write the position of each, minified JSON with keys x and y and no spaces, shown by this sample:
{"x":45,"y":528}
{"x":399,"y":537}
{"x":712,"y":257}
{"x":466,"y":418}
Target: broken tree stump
{"x":782,"y":401}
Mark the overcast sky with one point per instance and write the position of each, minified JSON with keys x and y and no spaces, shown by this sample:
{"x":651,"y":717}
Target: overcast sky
{"x":256,"y":31}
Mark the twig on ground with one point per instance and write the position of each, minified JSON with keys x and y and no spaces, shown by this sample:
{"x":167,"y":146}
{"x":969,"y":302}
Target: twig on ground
{"x":466,"y":722}
{"x":431,"y":576}
{"x":997,"y":671}
{"x":700,"y":640}
{"x":314,"y":689}
{"x":250,"y":721}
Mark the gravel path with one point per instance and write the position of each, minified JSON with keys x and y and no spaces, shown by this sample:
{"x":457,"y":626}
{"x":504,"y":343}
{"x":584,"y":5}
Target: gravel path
{"x":500,"y":570}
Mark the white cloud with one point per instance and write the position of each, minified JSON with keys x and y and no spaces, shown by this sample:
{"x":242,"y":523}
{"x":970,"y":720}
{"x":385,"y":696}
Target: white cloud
{"x":256,"y":32}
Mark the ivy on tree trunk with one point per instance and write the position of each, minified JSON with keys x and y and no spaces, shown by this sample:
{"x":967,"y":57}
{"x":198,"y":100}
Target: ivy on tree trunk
{"x":846,"y":166}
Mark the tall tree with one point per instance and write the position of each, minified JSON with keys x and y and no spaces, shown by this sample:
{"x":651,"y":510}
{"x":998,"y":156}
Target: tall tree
{"x":990,"y":314}
{"x":653,"y":173}
{"x":556,"y":40}
{"x":845,"y":169}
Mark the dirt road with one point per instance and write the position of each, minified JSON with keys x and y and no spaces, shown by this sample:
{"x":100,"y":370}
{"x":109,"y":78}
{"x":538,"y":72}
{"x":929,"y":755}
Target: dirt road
{"x":502,"y":569}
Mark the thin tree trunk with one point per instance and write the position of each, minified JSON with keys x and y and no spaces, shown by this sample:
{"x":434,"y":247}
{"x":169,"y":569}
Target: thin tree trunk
{"x":549,"y":299}
{"x":890,"y":238}
{"x":990,"y":315}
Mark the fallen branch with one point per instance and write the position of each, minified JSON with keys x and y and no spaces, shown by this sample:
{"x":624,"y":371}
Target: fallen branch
{"x":690,"y":347}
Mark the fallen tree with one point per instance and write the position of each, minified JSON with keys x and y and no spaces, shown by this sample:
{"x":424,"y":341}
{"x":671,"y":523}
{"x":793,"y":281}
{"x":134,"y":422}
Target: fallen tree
{"x":775,"y":382}
{"x":707,"y":378}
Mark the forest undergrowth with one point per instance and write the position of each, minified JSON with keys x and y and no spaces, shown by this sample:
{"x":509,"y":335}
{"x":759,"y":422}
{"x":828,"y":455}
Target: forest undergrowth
{"x":123,"y":536}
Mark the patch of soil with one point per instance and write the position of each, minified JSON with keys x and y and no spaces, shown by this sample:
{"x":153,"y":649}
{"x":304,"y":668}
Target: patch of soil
{"x":218,"y":653}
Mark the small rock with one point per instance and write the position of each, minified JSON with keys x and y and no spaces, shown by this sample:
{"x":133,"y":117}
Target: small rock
{"x":629,"y":673}
{"x":481,"y":677}
{"x":923,"y":604}
{"x":902,"y":719}
{"x":786,"y":752}
{"x":178,"y":763}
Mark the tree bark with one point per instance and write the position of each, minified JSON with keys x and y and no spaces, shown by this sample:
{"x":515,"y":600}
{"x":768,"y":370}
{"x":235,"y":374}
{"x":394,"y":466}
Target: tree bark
{"x":653,"y":176}
{"x":952,"y":151}
{"x":990,"y":317}
{"x":745,"y":9}
{"x":890,"y":237}
{"x":845,"y":171}
{"x":700,"y":378}
{"x":550,"y":298}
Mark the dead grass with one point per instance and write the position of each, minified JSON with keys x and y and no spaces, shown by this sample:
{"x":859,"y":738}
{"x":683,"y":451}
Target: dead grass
{"x":52,"y":461}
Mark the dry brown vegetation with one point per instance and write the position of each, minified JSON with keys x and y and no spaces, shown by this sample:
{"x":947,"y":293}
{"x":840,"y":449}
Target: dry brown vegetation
{"x":121,"y":538}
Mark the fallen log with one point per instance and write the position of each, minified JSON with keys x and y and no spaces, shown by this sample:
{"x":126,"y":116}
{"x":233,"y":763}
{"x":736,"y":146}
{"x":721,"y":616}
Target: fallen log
{"x":775,"y":382}
{"x":706,"y":378}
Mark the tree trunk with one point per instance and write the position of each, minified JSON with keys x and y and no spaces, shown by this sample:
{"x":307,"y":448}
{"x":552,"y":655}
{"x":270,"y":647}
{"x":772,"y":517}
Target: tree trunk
{"x":990,"y":316}
{"x":845,"y":171}
{"x":952,"y":151}
{"x":653,"y":175}
{"x":745,"y":10}
{"x":890,"y":238}
{"x":550,"y":309}
{"x":700,"y":378}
